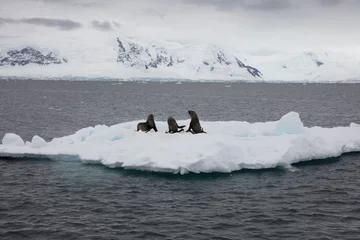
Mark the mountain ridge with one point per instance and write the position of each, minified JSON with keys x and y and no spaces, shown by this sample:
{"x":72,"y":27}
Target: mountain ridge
{"x":132,"y":59}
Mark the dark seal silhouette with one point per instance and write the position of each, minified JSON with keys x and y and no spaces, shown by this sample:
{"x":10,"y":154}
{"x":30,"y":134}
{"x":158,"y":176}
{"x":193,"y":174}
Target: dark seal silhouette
{"x":173,"y":126}
{"x":194,"y":126}
{"x":148,"y":125}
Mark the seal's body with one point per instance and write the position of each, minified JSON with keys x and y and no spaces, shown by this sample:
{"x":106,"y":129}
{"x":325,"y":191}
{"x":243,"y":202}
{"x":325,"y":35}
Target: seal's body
{"x":148,"y":125}
{"x":194,"y":126}
{"x":173,"y":126}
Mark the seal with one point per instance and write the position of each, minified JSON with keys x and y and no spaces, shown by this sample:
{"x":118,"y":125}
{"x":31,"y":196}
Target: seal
{"x":148,"y":125}
{"x":194,"y":126}
{"x":173,"y":126}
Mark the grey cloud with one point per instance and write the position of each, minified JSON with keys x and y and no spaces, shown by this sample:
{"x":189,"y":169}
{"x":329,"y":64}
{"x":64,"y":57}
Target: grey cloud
{"x":10,"y":36}
{"x":62,"y":24}
{"x":268,"y":5}
{"x":117,"y":24}
{"x":6,"y":20}
{"x":76,"y":3}
{"x":329,"y":2}
{"x":102,"y":26}
{"x":247,"y":4}
{"x":223,"y":5}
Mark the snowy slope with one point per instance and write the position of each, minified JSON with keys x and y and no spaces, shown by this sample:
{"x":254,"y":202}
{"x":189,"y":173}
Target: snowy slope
{"x":310,"y":67}
{"x":200,"y":60}
{"x":129,"y":59}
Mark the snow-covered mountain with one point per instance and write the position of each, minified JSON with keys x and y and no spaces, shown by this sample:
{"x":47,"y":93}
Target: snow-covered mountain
{"x":130,"y":59}
{"x":200,"y":59}
{"x":29,"y":55}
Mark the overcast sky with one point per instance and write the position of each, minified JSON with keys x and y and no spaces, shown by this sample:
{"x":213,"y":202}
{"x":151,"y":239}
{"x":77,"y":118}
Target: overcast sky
{"x":250,"y":24}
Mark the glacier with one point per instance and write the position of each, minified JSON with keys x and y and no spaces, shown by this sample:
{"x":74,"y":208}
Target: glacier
{"x":125,"y":59}
{"x":227,"y":146}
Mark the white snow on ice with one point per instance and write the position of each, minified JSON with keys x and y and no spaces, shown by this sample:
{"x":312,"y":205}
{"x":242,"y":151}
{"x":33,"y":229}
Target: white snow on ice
{"x":228,"y":146}
{"x":11,"y":139}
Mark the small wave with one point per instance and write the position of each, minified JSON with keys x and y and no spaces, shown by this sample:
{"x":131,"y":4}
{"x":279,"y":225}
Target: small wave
{"x":228,"y":146}
{"x":56,"y":109}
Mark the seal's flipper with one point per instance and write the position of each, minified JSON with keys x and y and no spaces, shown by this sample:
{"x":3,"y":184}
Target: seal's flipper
{"x":189,"y":129}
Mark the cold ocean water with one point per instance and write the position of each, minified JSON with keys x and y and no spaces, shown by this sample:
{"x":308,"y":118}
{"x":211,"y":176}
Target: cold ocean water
{"x":44,"y":199}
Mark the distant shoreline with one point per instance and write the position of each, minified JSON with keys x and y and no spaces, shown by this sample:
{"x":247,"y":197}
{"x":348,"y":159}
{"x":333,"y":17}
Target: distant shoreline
{"x":166,"y":80}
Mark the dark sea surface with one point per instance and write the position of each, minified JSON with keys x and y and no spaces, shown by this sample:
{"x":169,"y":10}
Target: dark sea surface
{"x":43,"y":199}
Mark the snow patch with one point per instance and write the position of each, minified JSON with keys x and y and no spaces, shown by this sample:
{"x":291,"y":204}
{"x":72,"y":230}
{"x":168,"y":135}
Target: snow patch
{"x":290,"y":124}
{"x":36,"y":142}
{"x":12,"y":139}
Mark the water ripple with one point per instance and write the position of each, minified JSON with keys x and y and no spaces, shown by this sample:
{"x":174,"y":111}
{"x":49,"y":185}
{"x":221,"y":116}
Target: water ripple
{"x":70,"y":200}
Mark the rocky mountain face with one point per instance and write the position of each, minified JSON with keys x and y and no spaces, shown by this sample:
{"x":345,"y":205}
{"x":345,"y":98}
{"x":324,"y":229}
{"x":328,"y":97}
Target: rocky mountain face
{"x":29,"y":55}
{"x":208,"y":58}
{"x":135,"y":55}
{"x":314,"y":58}
{"x":253,"y":71}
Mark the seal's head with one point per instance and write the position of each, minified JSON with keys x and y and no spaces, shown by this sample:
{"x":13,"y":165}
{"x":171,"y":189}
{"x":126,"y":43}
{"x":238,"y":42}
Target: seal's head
{"x":170,"y":119}
{"x":150,"y":117}
{"x":192,"y":114}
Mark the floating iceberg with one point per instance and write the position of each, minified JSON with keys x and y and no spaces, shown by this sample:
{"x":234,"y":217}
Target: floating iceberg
{"x":227,"y":146}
